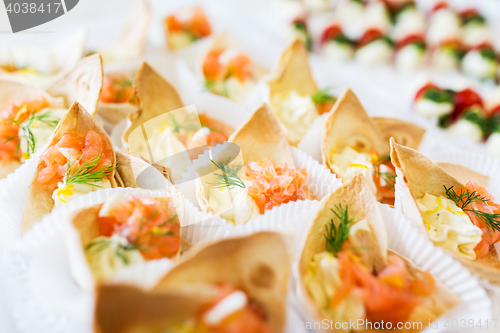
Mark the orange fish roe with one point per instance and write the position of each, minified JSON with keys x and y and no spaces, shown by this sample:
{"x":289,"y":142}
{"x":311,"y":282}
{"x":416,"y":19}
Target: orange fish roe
{"x":146,"y":224}
{"x":53,"y":166}
{"x":238,"y":67}
{"x":10,"y":119}
{"x":271,"y":186}
{"x":116,"y":89}
{"x":197,"y":25}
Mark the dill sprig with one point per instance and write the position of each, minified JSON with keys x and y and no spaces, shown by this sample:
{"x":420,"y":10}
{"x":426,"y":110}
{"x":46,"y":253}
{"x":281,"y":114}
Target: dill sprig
{"x":123,"y":86}
{"x":187,"y":125}
{"x":99,"y":245}
{"x":336,"y":236}
{"x":384,"y":159}
{"x":154,"y":231}
{"x":217,"y":87}
{"x":26,"y":133}
{"x":229,"y":176}
{"x":89,"y":172}
{"x":388,"y":177}
{"x":322,"y":96}
{"x":464,"y":198}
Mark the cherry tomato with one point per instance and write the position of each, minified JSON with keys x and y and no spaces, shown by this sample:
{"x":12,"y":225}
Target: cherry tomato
{"x":463,"y":100}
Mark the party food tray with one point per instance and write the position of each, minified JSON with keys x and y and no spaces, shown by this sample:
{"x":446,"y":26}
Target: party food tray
{"x":35,"y":272}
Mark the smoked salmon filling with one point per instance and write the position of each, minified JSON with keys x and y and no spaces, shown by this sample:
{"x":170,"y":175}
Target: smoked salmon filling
{"x":72,"y":156}
{"x":339,"y":278}
{"x":195,"y":26}
{"x":75,"y":165}
{"x":131,"y":230}
{"x":117,"y":88}
{"x":270,"y":185}
{"x":14,"y":126}
{"x":226,"y":70}
{"x":469,"y":212}
{"x":349,"y":273}
{"x":389,"y":296}
{"x":378,"y":170}
{"x":190,"y":134}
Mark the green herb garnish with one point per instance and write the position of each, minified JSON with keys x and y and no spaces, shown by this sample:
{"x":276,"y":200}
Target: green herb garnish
{"x":389,"y":178}
{"x":26,"y":126}
{"x":467,"y":197}
{"x":339,"y":38}
{"x":216,"y":87}
{"x":322,"y":96}
{"x":474,"y":19}
{"x":123,"y":86}
{"x":475,"y":117}
{"x":229,"y":177}
{"x":438,"y":96}
{"x":444,"y":121}
{"x":89,"y":172}
{"x":495,"y":124}
{"x":99,"y":245}
{"x":336,"y":236}
{"x":301,"y":29}
{"x":488,"y":54}
{"x":384,"y":159}
{"x":187,"y":125}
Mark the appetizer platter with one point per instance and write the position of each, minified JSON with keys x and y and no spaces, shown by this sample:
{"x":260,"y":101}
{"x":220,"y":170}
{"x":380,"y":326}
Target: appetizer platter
{"x":252,"y":166}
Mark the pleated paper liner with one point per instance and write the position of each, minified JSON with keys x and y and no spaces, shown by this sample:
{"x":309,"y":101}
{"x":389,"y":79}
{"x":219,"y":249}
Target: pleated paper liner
{"x":14,"y":188}
{"x":57,"y":277}
{"x":13,"y":192}
{"x":405,"y":240}
{"x":58,"y":223}
{"x":319,"y":180}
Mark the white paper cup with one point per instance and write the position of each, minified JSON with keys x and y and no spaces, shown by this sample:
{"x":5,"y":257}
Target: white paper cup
{"x":13,"y":192}
{"x":55,"y":279}
{"x":403,"y":239}
{"x":319,"y":180}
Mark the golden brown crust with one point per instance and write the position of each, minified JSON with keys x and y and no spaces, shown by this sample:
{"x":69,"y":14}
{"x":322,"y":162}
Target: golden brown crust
{"x":242,"y":262}
{"x":358,"y":197}
{"x":129,"y":167}
{"x":153,"y":97}
{"x":464,"y":174}
{"x":293,"y":73}
{"x":127,"y":309}
{"x":113,"y":113}
{"x":405,"y":133}
{"x":261,"y":137}
{"x":420,"y":173}
{"x":39,"y":201}
{"x":361,"y":203}
{"x":350,"y":126}
{"x":82,"y":84}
